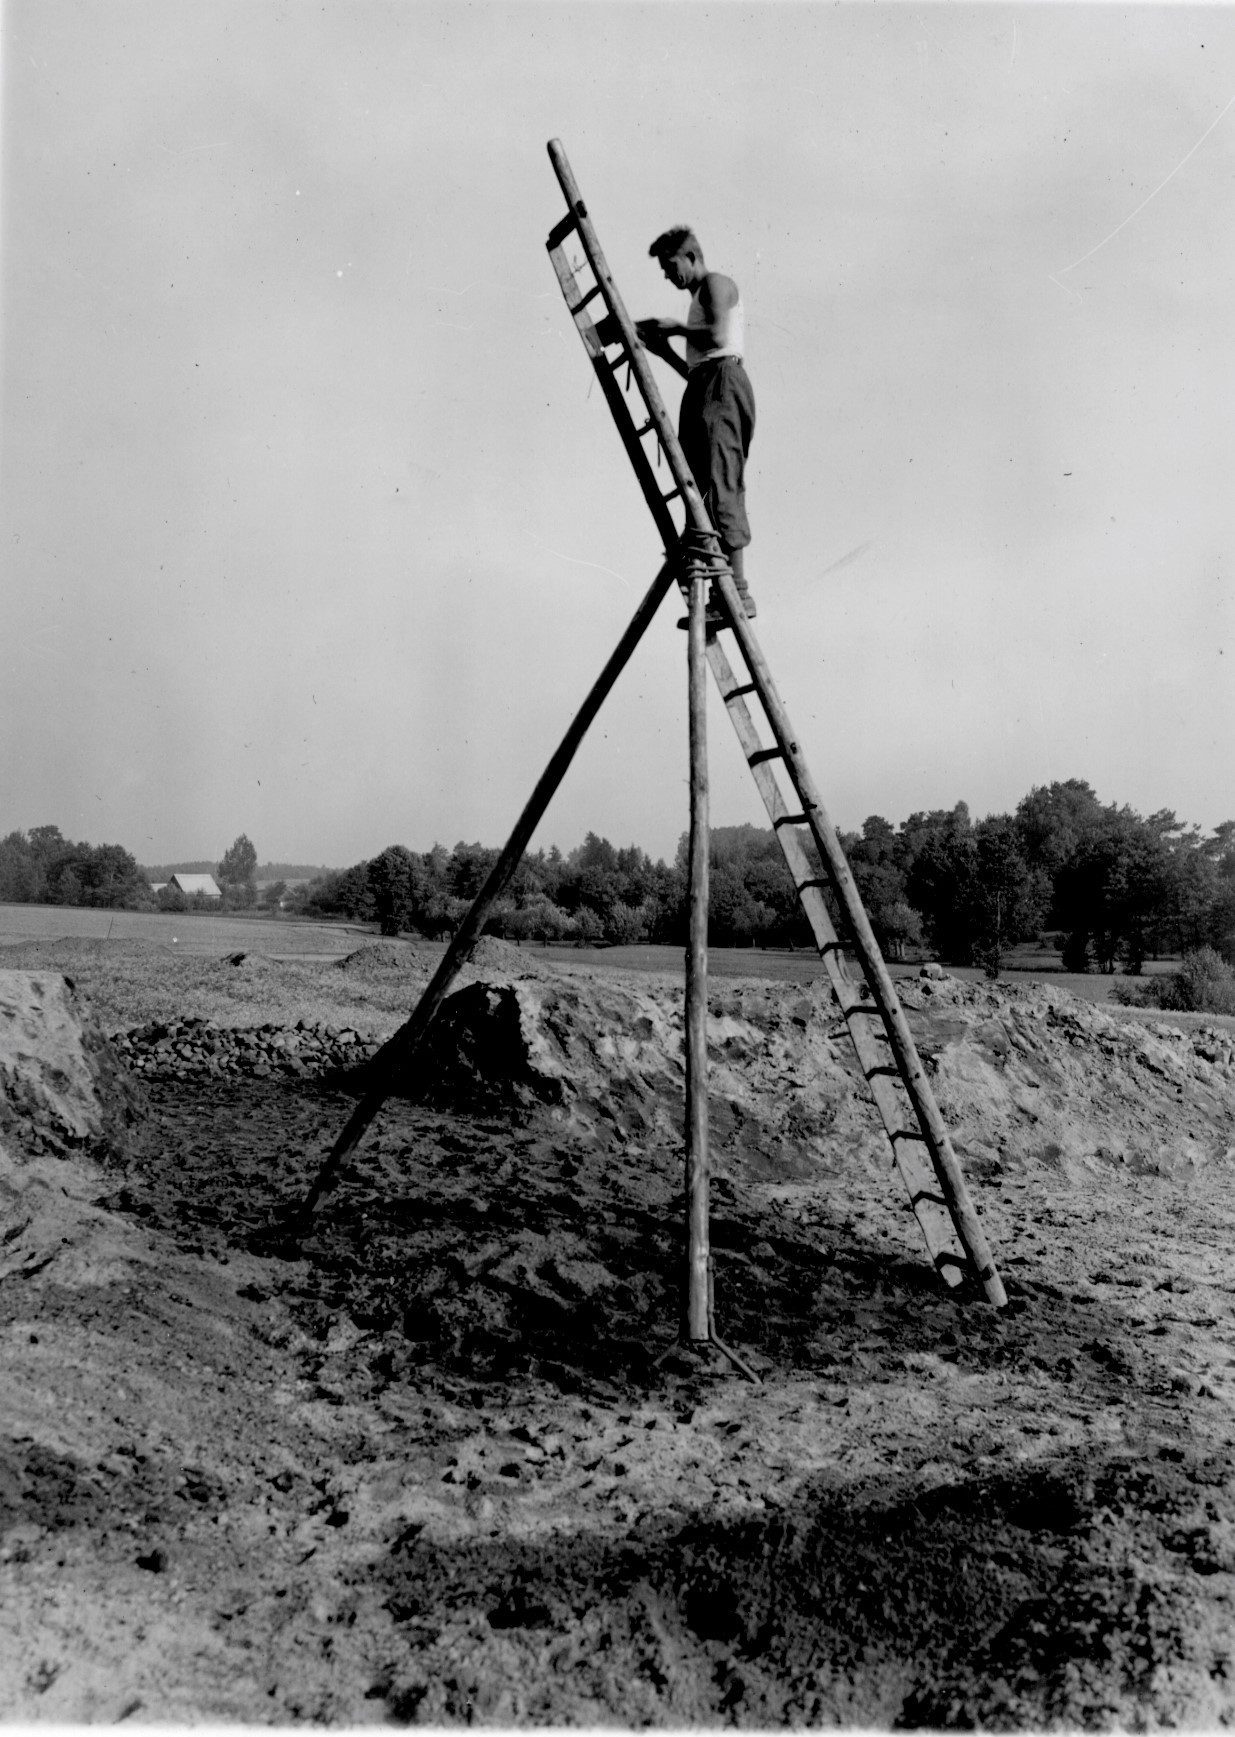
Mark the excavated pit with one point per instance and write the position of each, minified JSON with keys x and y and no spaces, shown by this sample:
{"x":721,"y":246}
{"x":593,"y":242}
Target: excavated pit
{"x":425,"y":1465}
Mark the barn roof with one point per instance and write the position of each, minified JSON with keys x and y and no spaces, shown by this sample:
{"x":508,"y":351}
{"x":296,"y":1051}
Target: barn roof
{"x":197,"y":884}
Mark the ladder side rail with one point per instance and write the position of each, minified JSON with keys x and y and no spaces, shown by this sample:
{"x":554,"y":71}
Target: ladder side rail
{"x":397,"y":1052}
{"x":634,"y":353}
{"x":913,"y":1075}
{"x":929,"y":1207}
{"x":616,"y":400}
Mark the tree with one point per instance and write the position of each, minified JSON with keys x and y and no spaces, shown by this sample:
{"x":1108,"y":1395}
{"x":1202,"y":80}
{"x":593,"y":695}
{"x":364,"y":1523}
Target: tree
{"x":110,"y":877}
{"x":1222,"y":920}
{"x":238,"y":874}
{"x":938,"y":866}
{"x":48,"y":843}
{"x":468,"y":870}
{"x":872,"y":857}
{"x":538,"y":919}
{"x":396,"y":885}
{"x":1111,"y":891}
{"x":588,"y":928}
{"x":1005,"y":897}
{"x":341,"y":893}
{"x":627,"y":925}
{"x":1054,"y":819}
{"x":22,"y":878}
{"x":68,"y":888}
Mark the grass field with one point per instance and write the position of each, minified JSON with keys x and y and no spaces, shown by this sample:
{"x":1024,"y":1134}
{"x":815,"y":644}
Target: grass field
{"x":195,"y":932}
{"x":202,"y":935}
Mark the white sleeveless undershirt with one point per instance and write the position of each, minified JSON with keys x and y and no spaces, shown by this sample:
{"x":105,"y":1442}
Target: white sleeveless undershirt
{"x":732,"y":332}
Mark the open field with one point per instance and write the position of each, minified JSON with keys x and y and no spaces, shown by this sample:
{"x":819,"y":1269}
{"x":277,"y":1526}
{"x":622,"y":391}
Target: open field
{"x":422,"y":1464}
{"x":206,"y":936}
{"x":195,"y":932}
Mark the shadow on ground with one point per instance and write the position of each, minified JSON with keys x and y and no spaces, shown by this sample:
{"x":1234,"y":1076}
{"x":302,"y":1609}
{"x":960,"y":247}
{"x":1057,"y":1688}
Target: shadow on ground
{"x":486,"y":1248}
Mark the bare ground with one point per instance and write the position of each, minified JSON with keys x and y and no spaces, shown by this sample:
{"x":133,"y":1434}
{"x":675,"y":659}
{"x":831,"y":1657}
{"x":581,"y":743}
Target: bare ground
{"x":424,"y":1465}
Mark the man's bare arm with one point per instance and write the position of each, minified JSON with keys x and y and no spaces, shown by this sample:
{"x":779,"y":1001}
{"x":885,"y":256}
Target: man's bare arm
{"x":717,"y":294}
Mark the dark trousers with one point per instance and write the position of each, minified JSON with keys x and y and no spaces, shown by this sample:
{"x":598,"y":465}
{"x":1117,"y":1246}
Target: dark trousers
{"x":715,"y":425}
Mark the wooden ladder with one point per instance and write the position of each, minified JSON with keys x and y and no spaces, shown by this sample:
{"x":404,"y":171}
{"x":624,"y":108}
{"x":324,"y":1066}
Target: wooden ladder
{"x":871,"y":1009}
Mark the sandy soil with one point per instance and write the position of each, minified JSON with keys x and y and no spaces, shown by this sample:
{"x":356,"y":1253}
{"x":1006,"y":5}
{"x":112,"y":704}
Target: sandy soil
{"x":440,"y":1462}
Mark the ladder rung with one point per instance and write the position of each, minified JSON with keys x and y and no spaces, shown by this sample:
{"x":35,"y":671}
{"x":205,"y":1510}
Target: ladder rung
{"x":762,"y":754}
{"x":736,"y":694}
{"x":887,"y":1069}
{"x":791,"y":820}
{"x":819,"y":881}
{"x":580,"y":305}
{"x":560,"y":231}
{"x":672,"y":495}
{"x":640,"y":432}
{"x":895,"y":1134}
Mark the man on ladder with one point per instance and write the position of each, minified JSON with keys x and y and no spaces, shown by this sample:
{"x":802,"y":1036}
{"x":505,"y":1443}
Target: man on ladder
{"x":717,"y":416}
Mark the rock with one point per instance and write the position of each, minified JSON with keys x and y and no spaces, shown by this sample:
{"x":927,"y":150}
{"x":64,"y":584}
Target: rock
{"x":61,"y":1083}
{"x":63,"y":1096}
{"x":299,"y":1052}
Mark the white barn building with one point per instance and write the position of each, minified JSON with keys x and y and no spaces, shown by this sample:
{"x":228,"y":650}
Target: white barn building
{"x":190,"y":884}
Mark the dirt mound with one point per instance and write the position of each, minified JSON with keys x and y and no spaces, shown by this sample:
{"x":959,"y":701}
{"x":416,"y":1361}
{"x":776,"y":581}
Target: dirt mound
{"x":1026,"y":1077}
{"x":493,"y":955}
{"x":65,"y":1102}
{"x":249,"y":964}
{"x":378,"y":958}
{"x":604,"y":1058}
{"x":491,"y":958}
{"x":1033,"y":1075}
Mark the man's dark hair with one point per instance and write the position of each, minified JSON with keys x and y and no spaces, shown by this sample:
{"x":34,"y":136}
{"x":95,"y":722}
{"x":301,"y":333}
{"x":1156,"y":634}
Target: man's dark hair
{"x":674,"y":241}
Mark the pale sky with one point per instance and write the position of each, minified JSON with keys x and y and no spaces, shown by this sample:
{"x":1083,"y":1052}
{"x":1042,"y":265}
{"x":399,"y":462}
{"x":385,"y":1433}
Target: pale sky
{"x":317,"y":528}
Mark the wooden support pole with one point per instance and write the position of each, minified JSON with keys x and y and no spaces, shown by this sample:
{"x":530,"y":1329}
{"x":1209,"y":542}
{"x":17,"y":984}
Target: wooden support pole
{"x":393,"y":1059}
{"x":698,"y":1254}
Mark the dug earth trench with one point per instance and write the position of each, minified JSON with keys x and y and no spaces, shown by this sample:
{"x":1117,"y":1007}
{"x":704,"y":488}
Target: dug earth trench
{"x":439,"y":1461}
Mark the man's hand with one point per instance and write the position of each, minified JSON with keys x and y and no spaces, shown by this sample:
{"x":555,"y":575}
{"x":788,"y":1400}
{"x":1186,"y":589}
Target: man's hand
{"x":654,"y":334}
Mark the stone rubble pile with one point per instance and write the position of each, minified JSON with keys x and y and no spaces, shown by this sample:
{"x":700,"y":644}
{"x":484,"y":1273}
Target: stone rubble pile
{"x":196,"y":1046}
{"x":1158,"y":1045}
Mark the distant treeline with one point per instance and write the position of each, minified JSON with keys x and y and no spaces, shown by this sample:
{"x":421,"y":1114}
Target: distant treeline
{"x":42,"y":867}
{"x":1113,"y":887}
